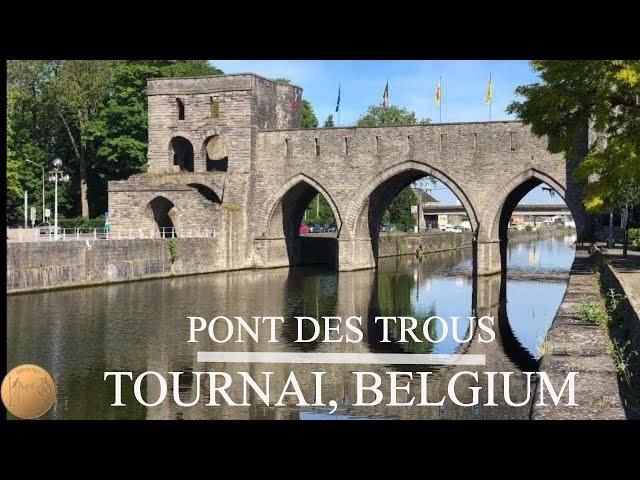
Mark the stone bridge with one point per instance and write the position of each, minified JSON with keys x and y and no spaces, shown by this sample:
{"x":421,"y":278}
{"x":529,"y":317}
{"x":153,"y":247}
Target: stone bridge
{"x":227,"y":152}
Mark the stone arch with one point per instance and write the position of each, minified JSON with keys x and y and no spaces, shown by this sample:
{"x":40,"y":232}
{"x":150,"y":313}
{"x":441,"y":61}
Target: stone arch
{"x":498,"y":213}
{"x":275,"y":201}
{"x":215,"y":151}
{"x":369,"y":206}
{"x":411,"y":171}
{"x":511,"y":194}
{"x":283,"y":217}
{"x":181,"y":153}
{"x":207,"y":192}
{"x":165,"y":216}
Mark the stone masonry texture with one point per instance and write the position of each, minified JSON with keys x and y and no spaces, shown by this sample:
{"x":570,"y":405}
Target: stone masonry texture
{"x":274,"y":168}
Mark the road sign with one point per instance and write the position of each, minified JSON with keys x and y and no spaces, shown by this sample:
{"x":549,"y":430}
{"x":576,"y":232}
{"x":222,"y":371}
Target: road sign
{"x":33,"y":217}
{"x":47,"y":213}
{"x":414,"y":208}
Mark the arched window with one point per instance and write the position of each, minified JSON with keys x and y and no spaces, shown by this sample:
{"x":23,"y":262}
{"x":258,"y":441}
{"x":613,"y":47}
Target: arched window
{"x":182,"y":152}
{"x":216,"y":153}
{"x":180,"y":109}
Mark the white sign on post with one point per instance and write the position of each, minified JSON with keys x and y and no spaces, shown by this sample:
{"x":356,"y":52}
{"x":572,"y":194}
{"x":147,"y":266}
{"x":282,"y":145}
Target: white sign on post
{"x":47,"y":213}
{"x":33,"y":217}
{"x":414,"y":209}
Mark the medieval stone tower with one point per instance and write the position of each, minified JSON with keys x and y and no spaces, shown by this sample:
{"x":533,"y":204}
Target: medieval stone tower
{"x":202,"y":141}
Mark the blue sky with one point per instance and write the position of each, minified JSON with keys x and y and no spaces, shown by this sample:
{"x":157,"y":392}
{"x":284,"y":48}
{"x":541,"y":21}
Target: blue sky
{"x":412,"y":85}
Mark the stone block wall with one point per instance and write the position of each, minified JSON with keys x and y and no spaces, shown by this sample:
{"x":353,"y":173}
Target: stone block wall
{"x":44,"y":265}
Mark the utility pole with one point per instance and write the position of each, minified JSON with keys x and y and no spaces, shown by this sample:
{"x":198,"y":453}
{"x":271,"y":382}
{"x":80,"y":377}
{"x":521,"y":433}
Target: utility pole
{"x":26,"y":209}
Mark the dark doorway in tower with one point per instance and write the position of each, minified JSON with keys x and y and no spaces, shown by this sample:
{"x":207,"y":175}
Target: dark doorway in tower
{"x":182,"y":152}
{"x":162,"y":210}
{"x":309,"y":225}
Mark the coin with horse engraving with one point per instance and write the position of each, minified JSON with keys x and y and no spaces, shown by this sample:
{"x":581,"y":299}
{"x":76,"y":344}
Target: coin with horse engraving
{"x":28,"y":391}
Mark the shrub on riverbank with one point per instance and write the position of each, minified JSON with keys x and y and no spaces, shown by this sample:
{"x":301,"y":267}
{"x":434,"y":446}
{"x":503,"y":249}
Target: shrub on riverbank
{"x":80,"y":222}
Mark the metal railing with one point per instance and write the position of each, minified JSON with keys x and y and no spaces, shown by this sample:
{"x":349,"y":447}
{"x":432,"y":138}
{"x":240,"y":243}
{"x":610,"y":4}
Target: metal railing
{"x":44,"y":234}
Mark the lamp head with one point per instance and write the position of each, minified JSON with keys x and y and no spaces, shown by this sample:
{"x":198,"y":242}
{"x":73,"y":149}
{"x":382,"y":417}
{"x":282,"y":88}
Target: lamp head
{"x":65,"y":178}
{"x":57,"y":163}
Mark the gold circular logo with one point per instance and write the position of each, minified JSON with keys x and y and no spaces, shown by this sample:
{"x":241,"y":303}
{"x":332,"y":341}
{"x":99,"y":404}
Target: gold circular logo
{"x":28,"y":391}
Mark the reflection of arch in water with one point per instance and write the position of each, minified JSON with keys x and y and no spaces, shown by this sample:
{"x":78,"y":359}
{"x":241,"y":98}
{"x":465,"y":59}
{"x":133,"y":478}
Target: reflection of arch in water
{"x":510,"y":345}
{"x":309,"y":292}
{"x":406,"y":282}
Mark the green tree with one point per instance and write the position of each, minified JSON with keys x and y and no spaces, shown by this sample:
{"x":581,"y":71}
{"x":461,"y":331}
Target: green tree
{"x":328,"y":123}
{"x":605,"y":94}
{"x":379,"y":116}
{"x":319,"y":211}
{"x":399,"y":211}
{"x":34,"y":133}
{"x":308,"y":117}
{"x":79,"y":90}
{"x":91,"y":114}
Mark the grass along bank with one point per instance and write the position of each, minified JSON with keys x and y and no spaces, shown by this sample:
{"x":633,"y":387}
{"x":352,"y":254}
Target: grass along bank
{"x":625,"y":358}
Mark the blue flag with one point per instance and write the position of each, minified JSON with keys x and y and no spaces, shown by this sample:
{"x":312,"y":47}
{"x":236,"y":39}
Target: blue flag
{"x":338,"y":104}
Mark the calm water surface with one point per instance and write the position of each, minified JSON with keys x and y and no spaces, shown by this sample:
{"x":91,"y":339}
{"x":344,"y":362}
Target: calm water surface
{"x":79,"y":334}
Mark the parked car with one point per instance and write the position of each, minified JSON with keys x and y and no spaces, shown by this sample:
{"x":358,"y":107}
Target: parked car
{"x":304,"y":229}
{"x":315,"y":228}
{"x":330,"y":228}
{"x":388,"y":227}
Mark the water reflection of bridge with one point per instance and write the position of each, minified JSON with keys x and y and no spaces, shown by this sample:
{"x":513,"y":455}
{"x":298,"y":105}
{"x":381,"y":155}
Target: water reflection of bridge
{"x":304,"y":292}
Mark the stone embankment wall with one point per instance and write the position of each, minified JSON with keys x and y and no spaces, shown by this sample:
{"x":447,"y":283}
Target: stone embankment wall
{"x":35,"y":266}
{"x":391,"y":245}
{"x":574,"y":345}
{"x":45,"y":265}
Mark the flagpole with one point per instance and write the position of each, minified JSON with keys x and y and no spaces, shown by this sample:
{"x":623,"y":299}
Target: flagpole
{"x":339,"y":100}
{"x":491,"y":98}
{"x":441,"y":90}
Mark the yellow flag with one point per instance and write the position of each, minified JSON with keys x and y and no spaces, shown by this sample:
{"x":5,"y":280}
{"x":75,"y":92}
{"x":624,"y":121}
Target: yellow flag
{"x":438,"y":97}
{"x":489,"y":96}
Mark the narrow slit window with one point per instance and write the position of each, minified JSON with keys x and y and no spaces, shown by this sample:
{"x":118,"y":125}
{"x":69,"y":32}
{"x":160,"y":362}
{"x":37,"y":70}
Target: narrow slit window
{"x":317,"y":147}
{"x":512,"y":141}
{"x":180,"y":104}
{"x":475,"y":140}
{"x":287,"y":147}
{"x":215,"y":108}
{"x":442,"y":139}
{"x":346,"y":145}
{"x":410,"y":142}
{"x":377,"y":144}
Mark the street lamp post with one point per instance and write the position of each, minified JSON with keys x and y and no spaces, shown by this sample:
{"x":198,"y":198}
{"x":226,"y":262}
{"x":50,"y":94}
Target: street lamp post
{"x":55,"y":175}
{"x":27,"y":160}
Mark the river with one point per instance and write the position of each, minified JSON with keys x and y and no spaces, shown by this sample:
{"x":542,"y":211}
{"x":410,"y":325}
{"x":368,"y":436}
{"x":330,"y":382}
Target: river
{"x":79,"y":334}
